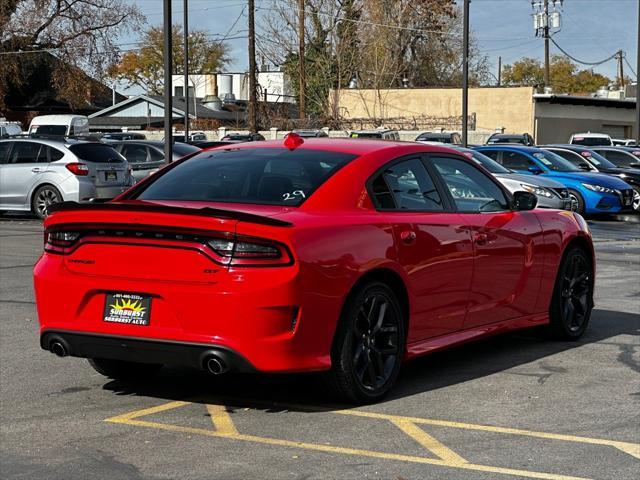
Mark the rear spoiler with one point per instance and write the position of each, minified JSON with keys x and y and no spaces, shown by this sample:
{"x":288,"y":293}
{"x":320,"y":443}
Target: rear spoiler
{"x":142,"y":207}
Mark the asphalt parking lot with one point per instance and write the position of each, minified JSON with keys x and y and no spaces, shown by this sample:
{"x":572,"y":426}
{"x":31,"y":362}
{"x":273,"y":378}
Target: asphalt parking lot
{"x":515,"y":406}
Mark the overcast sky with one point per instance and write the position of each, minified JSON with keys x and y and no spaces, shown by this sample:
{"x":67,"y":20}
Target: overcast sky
{"x":591,"y":30}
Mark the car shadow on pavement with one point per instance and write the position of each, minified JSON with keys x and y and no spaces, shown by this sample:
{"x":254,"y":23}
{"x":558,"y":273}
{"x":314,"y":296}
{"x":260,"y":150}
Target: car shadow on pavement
{"x":275,"y":393}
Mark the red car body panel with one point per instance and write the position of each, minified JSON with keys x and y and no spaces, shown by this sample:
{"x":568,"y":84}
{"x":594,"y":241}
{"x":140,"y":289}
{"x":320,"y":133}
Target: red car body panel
{"x":466,"y":275}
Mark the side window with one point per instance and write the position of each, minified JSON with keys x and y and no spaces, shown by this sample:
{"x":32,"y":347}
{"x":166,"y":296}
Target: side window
{"x":493,"y":154}
{"x":406,"y":186}
{"x":55,"y":154}
{"x":155,"y":155}
{"x":25,"y":152}
{"x":572,"y":157}
{"x":516,"y":161}
{"x":4,"y":150}
{"x":471,"y":189}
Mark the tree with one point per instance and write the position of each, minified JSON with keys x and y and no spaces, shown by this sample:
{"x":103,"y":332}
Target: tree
{"x":144,"y":67}
{"x":377,"y":43}
{"x":564,"y":75}
{"x":80,"y":33}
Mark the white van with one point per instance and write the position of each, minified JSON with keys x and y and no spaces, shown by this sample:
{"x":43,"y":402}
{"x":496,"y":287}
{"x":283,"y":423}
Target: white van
{"x":64,"y":125}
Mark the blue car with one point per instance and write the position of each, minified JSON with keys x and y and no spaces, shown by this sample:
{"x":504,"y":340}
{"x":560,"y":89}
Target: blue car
{"x":590,"y":193}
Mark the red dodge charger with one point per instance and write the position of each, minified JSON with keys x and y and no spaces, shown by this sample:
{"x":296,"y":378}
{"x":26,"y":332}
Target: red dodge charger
{"x":342,"y":256}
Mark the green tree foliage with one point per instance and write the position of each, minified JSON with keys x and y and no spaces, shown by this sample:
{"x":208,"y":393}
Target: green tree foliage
{"x":565,"y":76}
{"x":144,"y":67}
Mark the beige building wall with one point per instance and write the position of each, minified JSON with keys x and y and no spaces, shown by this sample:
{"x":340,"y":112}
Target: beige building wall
{"x":495,"y":107}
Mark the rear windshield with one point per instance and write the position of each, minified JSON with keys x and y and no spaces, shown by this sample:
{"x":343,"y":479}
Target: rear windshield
{"x":366,"y":135}
{"x":265,"y":176}
{"x":591,"y":141}
{"x":96,"y":152}
{"x":434,"y":137}
{"x":49,"y":129}
{"x":515,"y":139}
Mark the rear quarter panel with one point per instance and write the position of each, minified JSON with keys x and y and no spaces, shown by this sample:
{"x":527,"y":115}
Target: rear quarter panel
{"x":560,"y":229}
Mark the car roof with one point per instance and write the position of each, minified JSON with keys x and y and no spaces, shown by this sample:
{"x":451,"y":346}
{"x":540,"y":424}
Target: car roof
{"x":352,"y":146}
{"x":374,"y":130}
{"x":591,"y":135}
{"x":515,"y":147}
{"x":570,"y":146}
{"x":51,"y":141}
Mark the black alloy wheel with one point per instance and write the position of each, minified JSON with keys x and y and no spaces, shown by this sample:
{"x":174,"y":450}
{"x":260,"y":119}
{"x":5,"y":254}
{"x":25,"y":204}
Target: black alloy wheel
{"x":573,"y":296}
{"x":369,"y":345}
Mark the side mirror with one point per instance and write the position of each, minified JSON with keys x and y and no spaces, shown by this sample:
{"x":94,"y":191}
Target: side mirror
{"x":585,"y":167}
{"x":535,"y":169}
{"x":524,"y":201}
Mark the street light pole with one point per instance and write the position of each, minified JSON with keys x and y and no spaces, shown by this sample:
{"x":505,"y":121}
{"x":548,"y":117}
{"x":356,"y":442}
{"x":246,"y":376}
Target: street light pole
{"x":186,"y":72}
{"x":168,"y":71}
{"x":252,"y":113}
{"x":638,"y":82}
{"x":465,"y":74}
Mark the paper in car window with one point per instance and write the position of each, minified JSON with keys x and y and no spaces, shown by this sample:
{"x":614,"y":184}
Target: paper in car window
{"x":542,"y":158}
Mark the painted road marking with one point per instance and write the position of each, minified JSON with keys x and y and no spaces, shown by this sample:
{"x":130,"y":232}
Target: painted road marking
{"x":225,"y":428}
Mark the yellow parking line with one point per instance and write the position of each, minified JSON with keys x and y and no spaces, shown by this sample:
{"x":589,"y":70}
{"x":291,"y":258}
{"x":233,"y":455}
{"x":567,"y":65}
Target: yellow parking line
{"x":222,"y":420}
{"x":632,"y":449}
{"x":146,"y":411}
{"x":428,"y":442}
{"x":339,"y":450}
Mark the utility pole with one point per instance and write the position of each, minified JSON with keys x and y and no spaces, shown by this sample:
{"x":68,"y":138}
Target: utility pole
{"x":638,"y":81}
{"x":252,"y":117}
{"x":499,"y":71}
{"x":168,"y":72}
{"x":620,"y":58}
{"x":303,"y":78}
{"x":546,"y":44}
{"x":543,"y":21}
{"x":465,"y":74}
{"x":186,"y":72}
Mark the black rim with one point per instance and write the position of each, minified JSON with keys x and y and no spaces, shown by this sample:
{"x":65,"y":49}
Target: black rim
{"x":375,"y":341}
{"x":576,"y":292}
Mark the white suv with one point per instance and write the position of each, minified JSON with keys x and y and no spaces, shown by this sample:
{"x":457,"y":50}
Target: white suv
{"x":37,"y":172}
{"x":590,"y":139}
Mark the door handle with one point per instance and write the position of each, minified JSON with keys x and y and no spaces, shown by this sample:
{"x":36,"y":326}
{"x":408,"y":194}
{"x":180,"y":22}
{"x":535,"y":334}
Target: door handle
{"x":36,"y":170}
{"x":480,"y":238}
{"x":408,"y":237}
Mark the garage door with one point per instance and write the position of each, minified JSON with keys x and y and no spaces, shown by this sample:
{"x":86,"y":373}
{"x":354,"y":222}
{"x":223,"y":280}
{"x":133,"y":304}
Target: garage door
{"x":617,"y":131}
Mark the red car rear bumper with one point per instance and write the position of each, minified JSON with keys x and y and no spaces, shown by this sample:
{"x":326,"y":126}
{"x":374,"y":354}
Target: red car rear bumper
{"x":255,"y":318}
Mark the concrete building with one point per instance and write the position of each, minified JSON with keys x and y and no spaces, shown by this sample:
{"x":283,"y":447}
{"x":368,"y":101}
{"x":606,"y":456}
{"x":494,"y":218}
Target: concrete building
{"x":273,"y":86}
{"x":549,"y":118}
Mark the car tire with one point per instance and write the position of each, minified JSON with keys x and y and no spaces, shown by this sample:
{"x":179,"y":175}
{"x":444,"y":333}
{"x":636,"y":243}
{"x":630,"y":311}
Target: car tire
{"x":577,"y":202}
{"x":122,"y":370}
{"x":369,"y":345}
{"x":572,"y":300}
{"x":43,"y":197}
{"x":636,"y":199}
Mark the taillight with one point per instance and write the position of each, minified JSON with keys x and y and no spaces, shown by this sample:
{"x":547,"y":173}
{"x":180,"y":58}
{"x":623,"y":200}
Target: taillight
{"x":79,"y":169}
{"x":60,"y":241}
{"x":249,"y":252}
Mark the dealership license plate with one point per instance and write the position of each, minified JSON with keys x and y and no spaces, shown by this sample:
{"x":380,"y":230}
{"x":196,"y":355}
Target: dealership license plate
{"x":108,"y":176}
{"x":127,"y":308}
{"x":627,"y":201}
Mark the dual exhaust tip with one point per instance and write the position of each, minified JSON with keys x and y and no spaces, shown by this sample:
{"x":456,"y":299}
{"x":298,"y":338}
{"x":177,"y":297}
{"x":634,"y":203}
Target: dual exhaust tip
{"x":212,"y":364}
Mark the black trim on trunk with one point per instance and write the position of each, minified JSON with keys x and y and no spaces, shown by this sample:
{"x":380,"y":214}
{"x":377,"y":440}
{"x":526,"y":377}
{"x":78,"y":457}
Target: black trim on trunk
{"x":145,"y":207}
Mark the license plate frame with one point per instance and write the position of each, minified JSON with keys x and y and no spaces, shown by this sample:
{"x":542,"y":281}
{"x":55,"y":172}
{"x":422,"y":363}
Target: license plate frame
{"x":127,"y":308}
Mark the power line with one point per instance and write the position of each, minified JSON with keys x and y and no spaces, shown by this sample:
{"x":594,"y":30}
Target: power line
{"x":611,"y":57}
{"x":630,"y":67}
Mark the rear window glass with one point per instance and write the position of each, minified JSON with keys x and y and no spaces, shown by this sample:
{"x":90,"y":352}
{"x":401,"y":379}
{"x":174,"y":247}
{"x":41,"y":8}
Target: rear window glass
{"x":96,"y":152}
{"x":591,"y":141}
{"x":269,"y":176}
{"x":49,"y":129}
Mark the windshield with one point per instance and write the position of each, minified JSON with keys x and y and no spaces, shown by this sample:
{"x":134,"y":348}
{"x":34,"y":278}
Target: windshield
{"x":488,"y":163}
{"x":366,"y":135}
{"x":96,"y":152}
{"x":49,"y":129}
{"x":597,"y":159}
{"x":555,"y":162}
{"x":591,"y":141}
{"x":263,"y":176}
